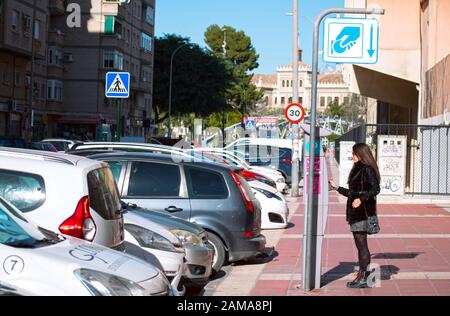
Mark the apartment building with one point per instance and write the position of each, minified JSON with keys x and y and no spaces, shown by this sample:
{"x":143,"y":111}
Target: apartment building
{"x":70,"y":66}
{"x":16,"y":40}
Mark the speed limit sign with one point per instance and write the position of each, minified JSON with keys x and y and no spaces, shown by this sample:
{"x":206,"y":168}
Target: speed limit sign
{"x":294,"y":113}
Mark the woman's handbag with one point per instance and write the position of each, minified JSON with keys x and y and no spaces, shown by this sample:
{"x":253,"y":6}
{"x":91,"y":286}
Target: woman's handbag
{"x":374,"y":226}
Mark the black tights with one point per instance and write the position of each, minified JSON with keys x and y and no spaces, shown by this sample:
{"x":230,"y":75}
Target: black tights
{"x":363,"y":250}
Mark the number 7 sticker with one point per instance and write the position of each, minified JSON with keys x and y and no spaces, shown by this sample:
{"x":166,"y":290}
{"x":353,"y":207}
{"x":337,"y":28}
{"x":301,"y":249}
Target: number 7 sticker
{"x":13,"y":265}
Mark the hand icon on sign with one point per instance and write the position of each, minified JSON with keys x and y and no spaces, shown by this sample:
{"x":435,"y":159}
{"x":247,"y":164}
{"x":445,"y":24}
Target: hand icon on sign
{"x":346,"y":39}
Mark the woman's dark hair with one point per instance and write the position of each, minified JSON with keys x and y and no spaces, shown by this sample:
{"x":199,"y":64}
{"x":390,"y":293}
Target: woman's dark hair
{"x":364,"y":154}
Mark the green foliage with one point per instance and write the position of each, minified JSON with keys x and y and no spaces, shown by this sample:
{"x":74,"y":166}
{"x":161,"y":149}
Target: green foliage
{"x":240,"y":58}
{"x":199,"y":81}
{"x":231,"y":117}
{"x":334,"y":109}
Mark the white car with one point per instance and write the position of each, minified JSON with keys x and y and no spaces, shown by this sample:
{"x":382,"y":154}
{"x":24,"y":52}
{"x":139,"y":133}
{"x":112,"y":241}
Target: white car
{"x":40,"y":262}
{"x":63,"y":193}
{"x":263,"y":141}
{"x":274,"y":209}
{"x":160,"y":242}
{"x":235,"y":160}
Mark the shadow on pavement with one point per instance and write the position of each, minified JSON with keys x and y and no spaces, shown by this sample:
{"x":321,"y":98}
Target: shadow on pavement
{"x":346,"y":268}
{"x":268,"y":255}
{"x":397,"y":255}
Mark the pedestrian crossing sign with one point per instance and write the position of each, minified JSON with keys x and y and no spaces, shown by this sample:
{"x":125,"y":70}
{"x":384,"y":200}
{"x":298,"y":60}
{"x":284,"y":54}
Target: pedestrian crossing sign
{"x":117,"y":85}
{"x":249,"y":124}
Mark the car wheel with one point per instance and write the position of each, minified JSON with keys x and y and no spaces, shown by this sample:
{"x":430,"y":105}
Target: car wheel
{"x":219,"y":252}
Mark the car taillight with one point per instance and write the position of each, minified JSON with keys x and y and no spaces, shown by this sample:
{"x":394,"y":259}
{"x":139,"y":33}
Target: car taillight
{"x":248,"y":203}
{"x":287,"y":160}
{"x":250,"y":175}
{"x":80,"y":224}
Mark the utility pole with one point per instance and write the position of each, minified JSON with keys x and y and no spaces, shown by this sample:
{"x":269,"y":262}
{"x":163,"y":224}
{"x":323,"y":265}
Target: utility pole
{"x":295,"y":179}
{"x":170,"y":87}
{"x":224,"y":47}
{"x":31,"y":88}
{"x":310,"y":250}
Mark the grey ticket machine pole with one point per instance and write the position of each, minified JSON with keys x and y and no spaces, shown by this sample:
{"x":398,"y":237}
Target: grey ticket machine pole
{"x":311,"y":247}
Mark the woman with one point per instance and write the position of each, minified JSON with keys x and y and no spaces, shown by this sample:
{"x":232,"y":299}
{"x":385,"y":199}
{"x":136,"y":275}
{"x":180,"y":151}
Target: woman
{"x":364,"y":185}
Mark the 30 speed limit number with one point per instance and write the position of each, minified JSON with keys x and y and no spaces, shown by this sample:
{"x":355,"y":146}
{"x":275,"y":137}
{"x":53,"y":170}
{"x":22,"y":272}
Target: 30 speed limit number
{"x":294,"y":113}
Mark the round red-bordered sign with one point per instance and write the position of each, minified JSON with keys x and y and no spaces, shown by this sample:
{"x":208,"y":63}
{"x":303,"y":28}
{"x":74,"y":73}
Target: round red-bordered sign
{"x":294,"y":113}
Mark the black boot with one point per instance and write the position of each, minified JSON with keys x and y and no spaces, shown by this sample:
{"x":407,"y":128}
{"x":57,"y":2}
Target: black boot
{"x":356,"y":280}
{"x":361,"y":281}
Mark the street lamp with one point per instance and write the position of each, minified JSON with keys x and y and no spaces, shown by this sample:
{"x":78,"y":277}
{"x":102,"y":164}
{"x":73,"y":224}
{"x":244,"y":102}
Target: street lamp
{"x":170,"y":86}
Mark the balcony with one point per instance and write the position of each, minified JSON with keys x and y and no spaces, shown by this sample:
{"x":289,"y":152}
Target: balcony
{"x":146,"y":56}
{"x":56,"y":7}
{"x":56,"y":38}
{"x":113,"y":41}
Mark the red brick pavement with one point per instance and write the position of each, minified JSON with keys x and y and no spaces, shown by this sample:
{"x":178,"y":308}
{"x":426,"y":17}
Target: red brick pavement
{"x":412,"y":261}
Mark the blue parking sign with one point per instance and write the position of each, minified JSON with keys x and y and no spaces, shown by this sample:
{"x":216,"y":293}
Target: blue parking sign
{"x":117,"y":85}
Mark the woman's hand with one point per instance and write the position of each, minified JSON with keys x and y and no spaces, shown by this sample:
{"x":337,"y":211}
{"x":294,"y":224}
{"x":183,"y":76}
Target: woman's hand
{"x":356,"y":203}
{"x":332,"y":184}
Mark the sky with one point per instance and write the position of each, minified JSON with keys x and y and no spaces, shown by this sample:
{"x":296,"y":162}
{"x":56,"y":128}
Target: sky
{"x":265,"y":21}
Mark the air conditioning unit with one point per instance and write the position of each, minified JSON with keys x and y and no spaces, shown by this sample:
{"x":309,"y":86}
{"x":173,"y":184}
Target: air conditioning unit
{"x":119,"y":36}
{"x":67,"y":57}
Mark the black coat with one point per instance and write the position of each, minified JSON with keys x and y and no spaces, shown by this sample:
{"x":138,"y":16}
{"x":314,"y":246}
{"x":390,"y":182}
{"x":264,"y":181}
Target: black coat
{"x":365,"y":186}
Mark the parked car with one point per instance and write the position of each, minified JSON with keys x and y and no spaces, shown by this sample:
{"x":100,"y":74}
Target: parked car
{"x":40,"y":262}
{"x":198,"y":253}
{"x":14,"y":142}
{"x":158,"y":241}
{"x":213,"y":196}
{"x":69,"y":194}
{"x":61,"y":144}
{"x":178,"y":153}
{"x":43,"y":146}
{"x":265,"y":153}
{"x":274,"y":209}
{"x":264,"y":174}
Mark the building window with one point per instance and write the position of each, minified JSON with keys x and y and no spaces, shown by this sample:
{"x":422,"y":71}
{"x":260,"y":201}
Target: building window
{"x":146,"y":43}
{"x":15,"y":20}
{"x":291,"y":83}
{"x":282,"y":100}
{"x":54,"y":56}
{"x":112,"y":59}
{"x":26,"y":24}
{"x":283,"y":84}
{"x":54,"y":90}
{"x":149,"y":15}
{"x":37,"y":29}
{"x":300,"y":100}
{"x":300,"y":83}
{"x":336,"y":100}
{"x":346,"y":100}
{"x":146,"y":75}
{"x":287,"y":83}
{"x":276,"y":100}
{"x":322,"y":102}
{"x":329,"y":100}
{"x":290,"y":100}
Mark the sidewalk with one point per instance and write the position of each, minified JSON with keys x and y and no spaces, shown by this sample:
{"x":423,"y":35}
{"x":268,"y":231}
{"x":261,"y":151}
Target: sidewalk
{"x":412,"y":249}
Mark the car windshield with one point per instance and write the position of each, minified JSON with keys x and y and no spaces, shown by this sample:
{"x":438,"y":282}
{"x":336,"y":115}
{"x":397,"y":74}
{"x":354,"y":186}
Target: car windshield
{"x":16,"y":231}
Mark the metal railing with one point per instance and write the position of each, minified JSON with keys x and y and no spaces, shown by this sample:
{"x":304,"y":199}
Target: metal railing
{"x":427,"y":154}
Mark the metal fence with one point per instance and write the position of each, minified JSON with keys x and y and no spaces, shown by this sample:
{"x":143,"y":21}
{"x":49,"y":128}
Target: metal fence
{"x":427,"y":154}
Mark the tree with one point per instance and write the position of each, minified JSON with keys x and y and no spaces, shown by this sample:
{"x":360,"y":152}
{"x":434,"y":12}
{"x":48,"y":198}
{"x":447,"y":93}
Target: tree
{"x":199,"y":79}
{"x":240,"y":58}
{"x":334,"y":109}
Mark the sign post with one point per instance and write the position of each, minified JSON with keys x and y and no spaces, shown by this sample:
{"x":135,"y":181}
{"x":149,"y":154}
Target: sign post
{"x":117,"y":85}
{"x":342,"y":43}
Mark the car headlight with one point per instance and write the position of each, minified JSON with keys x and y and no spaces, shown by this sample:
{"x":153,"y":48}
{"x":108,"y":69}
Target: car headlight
{"x":187,"y":238}
{"x":104,"y":284}
{"x":268,"y":194}
{"x":280,"y":180}
{"x":149,"y":239}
